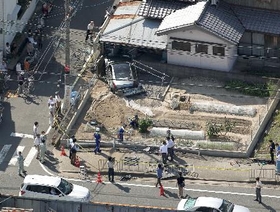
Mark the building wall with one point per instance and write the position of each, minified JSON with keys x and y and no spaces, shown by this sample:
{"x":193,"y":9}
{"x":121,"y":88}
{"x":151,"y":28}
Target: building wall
{"x":195,"y":36}
{"x":265,"y":4}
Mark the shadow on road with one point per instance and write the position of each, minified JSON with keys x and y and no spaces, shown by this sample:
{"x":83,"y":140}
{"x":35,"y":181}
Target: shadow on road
{"x":269,"y":208}
{"x":123,"y":188}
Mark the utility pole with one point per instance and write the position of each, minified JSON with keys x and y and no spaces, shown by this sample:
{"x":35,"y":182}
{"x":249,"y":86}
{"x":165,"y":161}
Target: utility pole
{"x":67,"y":86}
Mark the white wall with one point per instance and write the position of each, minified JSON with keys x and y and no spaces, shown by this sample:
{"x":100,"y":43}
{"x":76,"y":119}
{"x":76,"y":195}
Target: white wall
{"x":206,"y":61}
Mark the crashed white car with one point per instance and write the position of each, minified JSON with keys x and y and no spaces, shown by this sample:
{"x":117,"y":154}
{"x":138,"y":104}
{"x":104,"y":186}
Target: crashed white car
{"x":209,"y":204}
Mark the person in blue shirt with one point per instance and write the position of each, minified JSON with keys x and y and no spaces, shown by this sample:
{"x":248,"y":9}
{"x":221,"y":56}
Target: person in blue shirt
{"x":97,"y":138}
{"x":159,"y":175}
{"x":120,"y":133}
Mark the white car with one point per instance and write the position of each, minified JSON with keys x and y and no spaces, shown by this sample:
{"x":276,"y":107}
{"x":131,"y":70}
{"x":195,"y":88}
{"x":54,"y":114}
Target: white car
{"x":52,"y":188}
{"x":209,"y":204}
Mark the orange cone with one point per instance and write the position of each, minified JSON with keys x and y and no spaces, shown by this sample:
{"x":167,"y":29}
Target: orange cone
{"x":77,"y":162}
{"x":99,"y":180}
{"x":161,"y":191}
{"x":62,"y":153}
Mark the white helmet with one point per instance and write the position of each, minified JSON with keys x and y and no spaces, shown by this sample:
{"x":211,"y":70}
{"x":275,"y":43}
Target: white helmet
{"x":97,"y":129}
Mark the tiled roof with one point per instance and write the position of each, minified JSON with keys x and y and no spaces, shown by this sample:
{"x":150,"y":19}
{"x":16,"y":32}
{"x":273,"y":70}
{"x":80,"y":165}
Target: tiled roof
{"x":159,"y":9}
{"x":259,"y":20}
{"x":222,"y":21}
{"x":219,"y":20}
{"x":181,"y":18}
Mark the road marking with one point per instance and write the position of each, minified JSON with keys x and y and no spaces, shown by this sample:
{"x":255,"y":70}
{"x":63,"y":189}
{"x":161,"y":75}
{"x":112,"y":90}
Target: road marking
{"x":48,"y":130}
{"x":13,"y":161}
{"x":21,"y":135}
{"x":44,"y":168}
{"x":30,"y":156}
{"x":4,"y":152}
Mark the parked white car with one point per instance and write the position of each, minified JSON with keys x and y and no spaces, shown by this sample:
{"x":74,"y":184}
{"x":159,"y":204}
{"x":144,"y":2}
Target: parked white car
{"x":52,"y":188}
{"x":209,"y":204}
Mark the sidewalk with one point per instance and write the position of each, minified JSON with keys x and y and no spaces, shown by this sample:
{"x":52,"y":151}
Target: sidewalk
{"x":143,"y":165}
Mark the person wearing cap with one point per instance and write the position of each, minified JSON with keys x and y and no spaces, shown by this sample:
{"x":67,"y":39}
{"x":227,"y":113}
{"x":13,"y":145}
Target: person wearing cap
{"x":97,"y":138}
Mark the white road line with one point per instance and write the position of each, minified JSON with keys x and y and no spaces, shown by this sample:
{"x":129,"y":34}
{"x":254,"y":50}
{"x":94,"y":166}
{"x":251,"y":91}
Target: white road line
{"x":48,"y":130}
{"x":4,"y":152}
{"x":44,"y":168}
{"x":21,"y":135}
{"x":30,"y":156}
{"x":13,"y":161}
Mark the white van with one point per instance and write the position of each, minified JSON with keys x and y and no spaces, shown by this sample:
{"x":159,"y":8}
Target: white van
{"x":52,"y":188}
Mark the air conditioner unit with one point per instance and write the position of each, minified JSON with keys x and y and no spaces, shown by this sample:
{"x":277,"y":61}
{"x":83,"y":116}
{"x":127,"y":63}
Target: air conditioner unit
{"x":214,"y":2}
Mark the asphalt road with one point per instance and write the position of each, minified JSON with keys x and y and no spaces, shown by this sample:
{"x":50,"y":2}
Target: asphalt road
{"x":145,"y":194}
{"x":21,"y":112}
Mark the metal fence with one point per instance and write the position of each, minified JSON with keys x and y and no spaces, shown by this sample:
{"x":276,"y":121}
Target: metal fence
{"x":136,"y":166}
{"x":67,"y":206}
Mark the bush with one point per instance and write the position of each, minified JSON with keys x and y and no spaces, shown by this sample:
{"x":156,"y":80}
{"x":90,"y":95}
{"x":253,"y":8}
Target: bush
{"x":144,"y":124}
{"x":249,"y":88}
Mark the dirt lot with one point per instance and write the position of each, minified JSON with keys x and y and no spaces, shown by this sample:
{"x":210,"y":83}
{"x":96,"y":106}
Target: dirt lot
{"x":112,"y":111}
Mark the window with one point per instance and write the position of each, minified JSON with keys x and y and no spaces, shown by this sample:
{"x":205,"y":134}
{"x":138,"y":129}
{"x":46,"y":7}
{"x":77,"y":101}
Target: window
{"x":201,"y":48}
{"x":183,"y":46}
{"x":38,"y":189}
{"x":218,"y":50}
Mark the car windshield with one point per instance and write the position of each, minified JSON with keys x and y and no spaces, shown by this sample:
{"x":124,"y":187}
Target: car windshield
{"x":226,"y":206}
{"x":122,"y":71}
{"x":190,"y":203}
{"x":65,"y":187}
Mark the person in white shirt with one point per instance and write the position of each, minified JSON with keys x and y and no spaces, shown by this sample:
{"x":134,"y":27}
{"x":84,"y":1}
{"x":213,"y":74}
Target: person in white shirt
{"x":170,"y":148}
{"x":3,"y":67}
{"x":37,"y":142}
{"x":51,"y":114}
{"x":90,"y":28}
{"x":18,"y":68}
{"x":57,"y":103}
{"x":163,"y":151}
{"x":8,"y":50}
{"x":51,"y":101}
{"x":35,"y":129}
{"x":258,"y":190}
{"x":111,"y":173}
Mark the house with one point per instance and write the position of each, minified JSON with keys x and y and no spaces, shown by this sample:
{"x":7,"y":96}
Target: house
{"x":13,"y":18}
{"x":203,"y":34}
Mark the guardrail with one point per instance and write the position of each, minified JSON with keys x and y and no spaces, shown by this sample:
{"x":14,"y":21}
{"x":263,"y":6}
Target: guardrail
{"x":149,"y":167}
{"x":70,"y":206}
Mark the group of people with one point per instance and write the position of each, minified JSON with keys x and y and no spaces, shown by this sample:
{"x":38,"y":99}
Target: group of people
{"x":133,"y":123}
{"x":167,"y":148}
{"x":40,"y":140}
{"x":274,"y":151}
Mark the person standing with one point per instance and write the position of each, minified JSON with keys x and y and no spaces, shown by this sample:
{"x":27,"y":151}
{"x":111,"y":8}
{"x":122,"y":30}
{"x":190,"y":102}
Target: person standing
{"x":51,"y":114}
{"x":170,"y":148}
{"x":170,"y":135}
{"x":90,"y":28}
{"x":97,"y":138}
{"x":271,"y":151}
{"x":120,"y":133}
{"x":20,"y":160}
{"x":163,"y":150}
{"x":26,"y":65}
{"x":258,"y":190}
{"x":278,"y":163}
{"x":20,"y":83}
{"x":159,"y":175}
{"x":181,"y":185}
{"x":51,"y":101}
{"x":277,"y":149}
{"x":73,"y":151}
{"x":57,"y":103}
{"x":43,"y":150}
{"x":111,"y":172}
{"x":37,"y":142}
{"x":35,"y":129}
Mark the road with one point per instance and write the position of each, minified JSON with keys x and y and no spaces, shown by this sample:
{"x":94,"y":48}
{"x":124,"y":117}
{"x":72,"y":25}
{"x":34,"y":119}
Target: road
{"x":20,"y":113}
{"x":144,"y":193}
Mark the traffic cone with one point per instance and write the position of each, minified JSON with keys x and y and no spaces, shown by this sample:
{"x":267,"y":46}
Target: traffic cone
{"x":77,"y":162}
{"x":161,"y":191}
{"x":62,"y":153}
{"x":99,"y":180}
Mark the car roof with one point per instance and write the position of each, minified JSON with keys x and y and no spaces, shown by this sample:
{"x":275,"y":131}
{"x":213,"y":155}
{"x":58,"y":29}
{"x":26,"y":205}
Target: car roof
{"x":42,"y":180}
{"x":210,"y":202}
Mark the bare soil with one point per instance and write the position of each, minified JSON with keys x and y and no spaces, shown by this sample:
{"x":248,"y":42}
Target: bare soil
{"x":112,"y":111}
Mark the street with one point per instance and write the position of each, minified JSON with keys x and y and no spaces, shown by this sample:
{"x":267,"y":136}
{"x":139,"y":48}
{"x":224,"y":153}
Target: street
{"x":16,"y":135}
{"x":143,"y":193}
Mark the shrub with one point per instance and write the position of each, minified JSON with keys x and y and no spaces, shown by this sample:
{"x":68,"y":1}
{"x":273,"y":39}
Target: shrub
{"x":144,"y":124}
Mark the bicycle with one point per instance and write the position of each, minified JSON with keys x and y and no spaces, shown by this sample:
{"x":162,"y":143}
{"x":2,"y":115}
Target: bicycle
{"x":28,"y":85}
